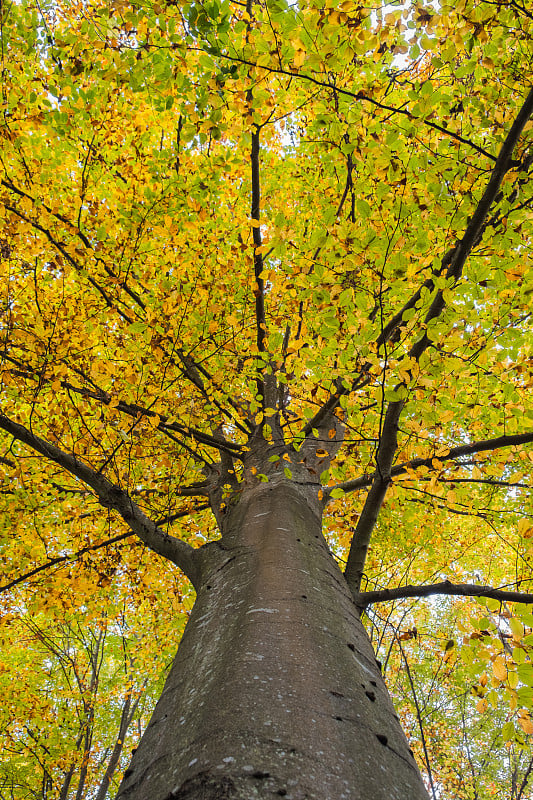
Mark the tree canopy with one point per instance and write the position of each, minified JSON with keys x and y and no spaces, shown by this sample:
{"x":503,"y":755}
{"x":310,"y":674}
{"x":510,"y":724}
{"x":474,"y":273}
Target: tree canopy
{"x":224,"y":217}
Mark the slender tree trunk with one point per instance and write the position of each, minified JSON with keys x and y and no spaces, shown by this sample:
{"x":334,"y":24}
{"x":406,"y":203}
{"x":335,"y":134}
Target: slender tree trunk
{"x":275,"y":691}
{"x":128,"y":711}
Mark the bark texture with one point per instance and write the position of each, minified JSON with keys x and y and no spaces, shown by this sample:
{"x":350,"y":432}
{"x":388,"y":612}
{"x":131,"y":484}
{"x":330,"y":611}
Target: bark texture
{"x":275,"y":691}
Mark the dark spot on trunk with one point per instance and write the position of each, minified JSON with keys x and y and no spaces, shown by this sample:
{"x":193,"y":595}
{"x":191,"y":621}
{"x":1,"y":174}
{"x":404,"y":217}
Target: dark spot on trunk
{"x":335,"y":694}
{"x":338,"y":718}
{"x":373,"y":683}
{"x":281,"y":792}
{"x":206,"y":786}
{"x":371,"y":696}
{"x":128,"y":773}
{"x":260,"y":775}
{"x":381,"y":738}
{"x":208,"y":586}
{"x":351,"y":646}
{"x":304,"y":597}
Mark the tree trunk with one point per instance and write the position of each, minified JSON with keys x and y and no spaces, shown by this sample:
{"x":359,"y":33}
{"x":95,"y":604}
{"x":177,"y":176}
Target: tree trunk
{"x":275,"y":691}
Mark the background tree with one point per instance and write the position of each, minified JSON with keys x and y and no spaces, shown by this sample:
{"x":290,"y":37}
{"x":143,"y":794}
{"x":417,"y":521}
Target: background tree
{"x":266,"y":270}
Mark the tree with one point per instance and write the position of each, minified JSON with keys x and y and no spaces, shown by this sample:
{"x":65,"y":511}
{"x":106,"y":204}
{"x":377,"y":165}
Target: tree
{"x":267,"y":280}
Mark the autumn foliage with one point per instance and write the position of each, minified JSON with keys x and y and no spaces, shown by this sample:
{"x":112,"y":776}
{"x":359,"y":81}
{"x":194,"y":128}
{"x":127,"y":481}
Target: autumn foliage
{"x":217,"y":216}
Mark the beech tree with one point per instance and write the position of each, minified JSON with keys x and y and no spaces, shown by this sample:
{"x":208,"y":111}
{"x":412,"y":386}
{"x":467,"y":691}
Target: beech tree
{"x":266,"y":277}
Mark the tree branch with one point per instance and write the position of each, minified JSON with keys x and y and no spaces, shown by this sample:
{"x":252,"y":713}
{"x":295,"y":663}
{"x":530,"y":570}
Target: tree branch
{"x":192,"y":370}
{"x":374,"y":499}
{"x":361,"y":97}
{"x":365,"y":599}
{"x":452,"y":262}
{"x":132,"y":409}
{"x":257,"y":239}
{"x":111,"y":496}
{"x":90,"y":548}
{"x":452,"y":455}
{"x":63,"y":560}
{"x":388,"y":440}
{"x":66,"y":255}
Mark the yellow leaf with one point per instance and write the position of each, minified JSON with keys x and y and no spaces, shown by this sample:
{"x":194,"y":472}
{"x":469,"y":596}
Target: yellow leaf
{"x":516,"y":627}
{"x":299,"y":58}
{"x":297,"y":43}
{"x":526,"y":725}
{"x":481,"y":705}
{"x":512,"y":677}
{"x":499,"y":669}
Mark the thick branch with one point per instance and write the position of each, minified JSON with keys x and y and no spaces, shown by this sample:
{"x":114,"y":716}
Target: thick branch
{"x":452,"y":262}
{"x":445,"y":587}
{"x":259,"y":291}
{"x":388,"y":441}
{"x":62,"y":560}
{"x":374,"y":500}
{"x":478,"y":222}
{"x":435,"y":461}
{"x":327,"y":409}
{"x":110,"y":496}
{"x":503,"y":164}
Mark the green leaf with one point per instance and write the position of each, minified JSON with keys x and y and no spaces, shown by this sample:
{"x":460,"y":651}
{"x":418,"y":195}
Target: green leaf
{"x":508,"y":731}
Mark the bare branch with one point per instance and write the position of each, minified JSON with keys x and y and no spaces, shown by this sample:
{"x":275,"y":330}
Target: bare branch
{"x":418,"y":715}
{"x":365,"y":599}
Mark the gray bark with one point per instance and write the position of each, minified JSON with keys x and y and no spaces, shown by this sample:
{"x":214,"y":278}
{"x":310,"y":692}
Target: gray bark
{"x":275,"y":691}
